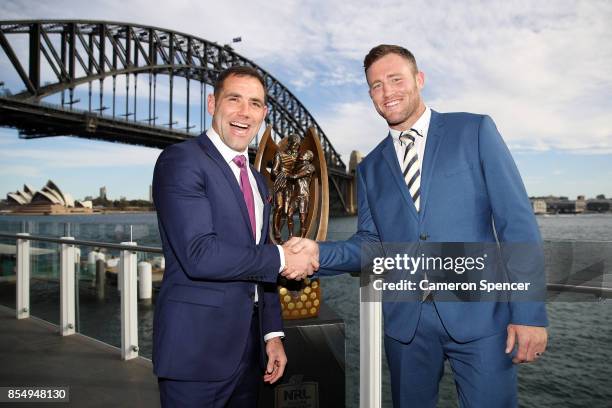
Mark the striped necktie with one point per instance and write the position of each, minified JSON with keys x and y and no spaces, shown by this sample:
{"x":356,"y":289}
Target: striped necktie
{"x":412,"y":177}
{"x":410,"y":166}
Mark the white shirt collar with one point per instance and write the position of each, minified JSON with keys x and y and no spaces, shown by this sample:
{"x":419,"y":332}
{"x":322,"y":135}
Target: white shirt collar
{"x":421,"y":125}
{"x":227,"y":152}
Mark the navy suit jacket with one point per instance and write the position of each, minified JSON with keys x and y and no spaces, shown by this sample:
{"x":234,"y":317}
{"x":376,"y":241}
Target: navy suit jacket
{"x":205,"y":305}
{"x":471,"y":191}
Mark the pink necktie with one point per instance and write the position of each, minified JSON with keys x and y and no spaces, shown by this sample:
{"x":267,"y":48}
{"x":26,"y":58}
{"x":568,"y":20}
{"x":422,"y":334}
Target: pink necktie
{"x":247,"y":191}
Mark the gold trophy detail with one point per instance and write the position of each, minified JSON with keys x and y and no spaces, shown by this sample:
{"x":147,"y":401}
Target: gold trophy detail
{"x":296,"y":173}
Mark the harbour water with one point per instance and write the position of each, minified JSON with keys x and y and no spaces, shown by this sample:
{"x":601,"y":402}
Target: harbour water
{"x":576,"y":370}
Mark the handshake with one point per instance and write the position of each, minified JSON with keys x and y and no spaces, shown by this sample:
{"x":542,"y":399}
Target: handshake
{"x":301,"y":258}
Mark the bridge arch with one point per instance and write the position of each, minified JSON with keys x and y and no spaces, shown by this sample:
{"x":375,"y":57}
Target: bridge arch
{"x":85,"y":51}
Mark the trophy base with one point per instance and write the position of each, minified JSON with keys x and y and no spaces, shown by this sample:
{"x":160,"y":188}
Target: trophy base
{"x":315,"y":376}
{"x":299,"y":299}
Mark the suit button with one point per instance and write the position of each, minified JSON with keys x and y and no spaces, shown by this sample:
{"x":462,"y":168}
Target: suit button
{"x":423,"y":236}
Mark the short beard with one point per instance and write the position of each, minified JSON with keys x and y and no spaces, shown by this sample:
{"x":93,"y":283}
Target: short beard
{"x":397,"y":122}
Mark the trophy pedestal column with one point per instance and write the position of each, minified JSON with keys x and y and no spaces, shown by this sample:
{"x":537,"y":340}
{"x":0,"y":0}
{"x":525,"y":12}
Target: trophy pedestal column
{"x":315,"y":374}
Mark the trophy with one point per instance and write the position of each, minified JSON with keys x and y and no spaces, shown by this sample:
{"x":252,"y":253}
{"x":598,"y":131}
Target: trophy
{"x":296,"y":173}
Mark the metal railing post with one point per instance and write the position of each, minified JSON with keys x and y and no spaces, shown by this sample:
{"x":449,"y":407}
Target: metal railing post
{"x":23,"y":277}
{"x":129,"y":309}
{"x":67,"y":289}
{"x":370,"y":354}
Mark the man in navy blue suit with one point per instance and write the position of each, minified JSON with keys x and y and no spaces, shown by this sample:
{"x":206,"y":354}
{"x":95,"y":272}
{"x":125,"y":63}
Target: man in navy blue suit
{"x":443,"y":178}
{"x":217,"y":315}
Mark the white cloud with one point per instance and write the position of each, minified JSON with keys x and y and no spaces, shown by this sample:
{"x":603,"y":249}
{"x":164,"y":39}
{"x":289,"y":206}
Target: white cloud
{"x":4,"y":140}
{"x":540,"y":69}
{"x":97,"y":155}
{"x":307,"y":78}
{"x":19,"y":171}
{"x":353,"y":126}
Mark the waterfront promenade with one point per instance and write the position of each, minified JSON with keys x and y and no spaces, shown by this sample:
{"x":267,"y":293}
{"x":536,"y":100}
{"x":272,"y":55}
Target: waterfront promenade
{"x":32,"y":353}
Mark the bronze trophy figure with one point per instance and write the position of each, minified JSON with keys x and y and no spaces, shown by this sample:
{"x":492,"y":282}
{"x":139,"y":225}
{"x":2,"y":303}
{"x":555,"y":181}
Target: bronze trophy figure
{"x":296,"y":172}
{"x":282,"y":169}
{"x":301,"y":193}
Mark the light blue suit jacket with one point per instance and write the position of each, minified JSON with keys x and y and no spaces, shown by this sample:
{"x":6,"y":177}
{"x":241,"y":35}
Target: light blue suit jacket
{"x":471,"y":191}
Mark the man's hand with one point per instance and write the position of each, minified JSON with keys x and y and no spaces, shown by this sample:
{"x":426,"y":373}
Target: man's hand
{"x":301,"y":258}
{"x":531,"y":342}
{"x":277,"y":360}
{"x":298,"y":245}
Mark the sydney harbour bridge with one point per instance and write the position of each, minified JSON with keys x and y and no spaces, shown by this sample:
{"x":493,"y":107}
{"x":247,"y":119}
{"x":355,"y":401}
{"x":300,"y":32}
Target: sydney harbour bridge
{"x":133,"y":84}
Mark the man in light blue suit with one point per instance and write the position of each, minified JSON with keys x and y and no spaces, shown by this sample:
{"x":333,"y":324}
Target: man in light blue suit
{"x":441,"y":178}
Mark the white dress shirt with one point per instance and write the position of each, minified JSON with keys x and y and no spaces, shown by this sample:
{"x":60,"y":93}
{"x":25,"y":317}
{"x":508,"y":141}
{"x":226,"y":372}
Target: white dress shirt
{"x":422,"y":126}
{"x":228,"y":155}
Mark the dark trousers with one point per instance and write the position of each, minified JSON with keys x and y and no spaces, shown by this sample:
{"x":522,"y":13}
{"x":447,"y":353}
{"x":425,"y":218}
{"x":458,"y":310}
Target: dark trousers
{"x":239,"y":391}
{"x":484,"y":375}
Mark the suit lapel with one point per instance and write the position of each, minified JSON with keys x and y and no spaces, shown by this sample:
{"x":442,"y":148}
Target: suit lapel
{"x":263,"y":192}
{"x":212,"y":152}
{"x":390,"y":156}
{"x":435,"y":134}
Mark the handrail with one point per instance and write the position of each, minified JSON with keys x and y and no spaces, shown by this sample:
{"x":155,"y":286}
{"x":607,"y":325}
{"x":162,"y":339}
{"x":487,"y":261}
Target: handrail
{"x":593,"y":290}
{"x":140,"y":248}
{"x":127,"y":282}
{"x":556,"y":287}
{"x":109,"y":245}
{"x":370,"y":312}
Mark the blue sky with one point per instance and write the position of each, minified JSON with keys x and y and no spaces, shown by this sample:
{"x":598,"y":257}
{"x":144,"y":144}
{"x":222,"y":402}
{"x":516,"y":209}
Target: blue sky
{"x":540,"y":69}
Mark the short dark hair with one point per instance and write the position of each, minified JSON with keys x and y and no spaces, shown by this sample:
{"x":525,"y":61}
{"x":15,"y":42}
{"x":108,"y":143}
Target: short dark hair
{"x":239,"y":70}
{"x":381,"y":50}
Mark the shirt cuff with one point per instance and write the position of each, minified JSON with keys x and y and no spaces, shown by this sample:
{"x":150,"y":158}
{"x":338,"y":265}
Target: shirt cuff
{"x":281,"y":253}
{"x":272,"y":335}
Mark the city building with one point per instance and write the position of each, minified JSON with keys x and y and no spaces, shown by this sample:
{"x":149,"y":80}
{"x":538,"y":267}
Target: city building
{"x":538,"y":205}
{"x":600,"y":206}
{"x":562,"y":205}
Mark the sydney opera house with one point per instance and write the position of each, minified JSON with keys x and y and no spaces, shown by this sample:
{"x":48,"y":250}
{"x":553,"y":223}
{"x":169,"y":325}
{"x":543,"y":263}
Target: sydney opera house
{"x":48,"y":200}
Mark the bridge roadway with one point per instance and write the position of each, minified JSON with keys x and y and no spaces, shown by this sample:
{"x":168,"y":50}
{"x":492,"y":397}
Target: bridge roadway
{"x":32,"y":353}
